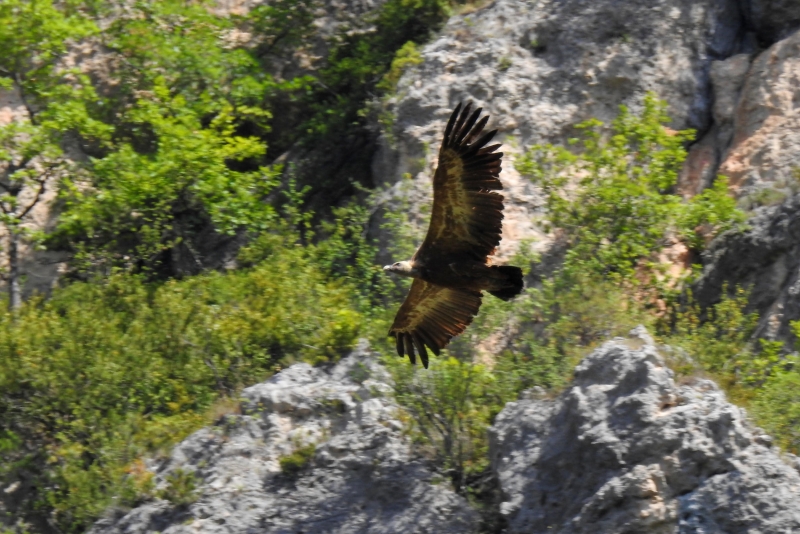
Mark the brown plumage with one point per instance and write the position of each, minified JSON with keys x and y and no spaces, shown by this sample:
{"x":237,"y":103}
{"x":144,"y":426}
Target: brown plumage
{"x":451,"y":268}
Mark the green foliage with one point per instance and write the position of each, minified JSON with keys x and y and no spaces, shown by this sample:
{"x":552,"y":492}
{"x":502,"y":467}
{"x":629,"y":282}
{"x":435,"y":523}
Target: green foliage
{"x":756,"y":372}
{"x":330,"y":110}
{"x":613,"y":200}
{"x":776,"y":402}
{"x":140,"y":204}
{"x":34,"y":36}
{"x":96,"y":398}
{"x":359,"y":60}
{"x":717,"y":337}
{"x":776,"y":406}
{"x":407,"y":56}
{"x":32,"y":159}
{"x":294,"y":463}
{"x":180,"y":488}
{"x":444,"y":402}
{"x":178,"y":144}
{"x":708,"y":214}
{"x":281,"y":26}
{"x":185,"y":49}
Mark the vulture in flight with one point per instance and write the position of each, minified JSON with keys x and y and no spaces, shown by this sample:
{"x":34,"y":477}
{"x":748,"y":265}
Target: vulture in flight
{"x":452,"y":266}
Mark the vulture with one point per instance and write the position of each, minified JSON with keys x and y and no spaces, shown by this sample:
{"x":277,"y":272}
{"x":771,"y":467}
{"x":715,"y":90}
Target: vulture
{"x":452,"y":267}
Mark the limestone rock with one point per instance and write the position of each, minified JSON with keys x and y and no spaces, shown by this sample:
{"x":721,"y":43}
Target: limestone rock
{"x":539,"y":68}
{"x":765,"y":151}
{"x":765,"y":260}
{"x":362,"y":476}
{"x":702,"y":163}
{"x":626,"y":449}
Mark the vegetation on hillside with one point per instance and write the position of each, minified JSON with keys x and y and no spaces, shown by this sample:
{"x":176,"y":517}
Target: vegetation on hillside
{"x":154,"y":331}
{"x":611,"y":203}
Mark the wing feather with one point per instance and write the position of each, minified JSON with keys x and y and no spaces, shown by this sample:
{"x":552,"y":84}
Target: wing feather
{"x":467,"y":214}
{"x":430,"y":317}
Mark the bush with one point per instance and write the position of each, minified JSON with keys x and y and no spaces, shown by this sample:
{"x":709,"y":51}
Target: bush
{"x":180,"y":488}
{"x":293,"y":463}
{"x":445,"y":404}
{"x":105,"y":372}
{"x":613,"y":200}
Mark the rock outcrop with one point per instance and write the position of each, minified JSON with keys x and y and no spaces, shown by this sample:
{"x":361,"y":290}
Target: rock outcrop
{"x":626,"y":449}
{"x":764,"y":259}
{"x":361,"y":476}
{"x":765,"y":149}
{"x":623,"y":449}
{"x":541,"y":67}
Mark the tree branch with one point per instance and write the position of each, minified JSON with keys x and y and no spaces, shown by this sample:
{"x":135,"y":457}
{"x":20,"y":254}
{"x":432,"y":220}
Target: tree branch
{"x":28,"y":108}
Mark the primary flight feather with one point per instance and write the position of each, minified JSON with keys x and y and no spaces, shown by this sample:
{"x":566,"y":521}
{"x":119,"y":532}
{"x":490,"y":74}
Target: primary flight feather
{"x":452,"y":266}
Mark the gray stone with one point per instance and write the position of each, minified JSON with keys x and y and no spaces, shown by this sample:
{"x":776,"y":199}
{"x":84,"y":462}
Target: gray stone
{"x":626,"y":449}
{"x":756,"y":140}
{"x":363,"y":477}
{"x":764,"y":259}
{"x":702,"y":164}
{"x":539,"y":68}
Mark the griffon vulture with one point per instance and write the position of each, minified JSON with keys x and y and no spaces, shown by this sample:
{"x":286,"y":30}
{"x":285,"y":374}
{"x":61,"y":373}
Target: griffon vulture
{"x":452,"y":266}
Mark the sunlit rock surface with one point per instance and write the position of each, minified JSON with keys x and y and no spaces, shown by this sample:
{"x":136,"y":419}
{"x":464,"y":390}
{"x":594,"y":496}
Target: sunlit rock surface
{"x":765,"y":150}
{"x":626,"y":449}
{"x":362,"y":477}
{"x":541,"y":67}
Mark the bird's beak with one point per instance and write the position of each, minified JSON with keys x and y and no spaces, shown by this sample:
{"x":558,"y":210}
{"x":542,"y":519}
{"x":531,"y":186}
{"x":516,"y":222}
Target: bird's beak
{"x":387,"y":267}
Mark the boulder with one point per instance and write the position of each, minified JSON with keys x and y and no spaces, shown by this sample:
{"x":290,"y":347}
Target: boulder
{"x":360,"y":476}
{"x":627,"y":449}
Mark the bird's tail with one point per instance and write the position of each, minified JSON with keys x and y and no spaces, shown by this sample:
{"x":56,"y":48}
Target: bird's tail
{"x":511,"y":282}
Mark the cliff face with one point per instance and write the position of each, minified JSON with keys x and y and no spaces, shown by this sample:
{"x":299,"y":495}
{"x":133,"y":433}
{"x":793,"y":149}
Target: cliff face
{"x":541,"y":67}
{"x":623,"y":449}
{"x":728,"y":68}
{"x":763,"y":161}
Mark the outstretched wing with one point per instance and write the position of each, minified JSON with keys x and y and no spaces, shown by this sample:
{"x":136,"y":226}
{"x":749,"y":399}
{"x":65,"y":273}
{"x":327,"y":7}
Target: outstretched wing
{"x":466,"y":219}
{"x":430,"y":316}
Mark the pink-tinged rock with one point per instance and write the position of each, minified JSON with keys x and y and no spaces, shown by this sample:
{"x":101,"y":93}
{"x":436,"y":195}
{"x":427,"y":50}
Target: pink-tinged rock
{"x":766,"y":144}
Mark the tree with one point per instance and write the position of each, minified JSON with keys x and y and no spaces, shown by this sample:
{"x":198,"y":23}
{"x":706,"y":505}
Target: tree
{"x":30,"y":161}
{"x":140,"y":204}
{"x":34,"y":38}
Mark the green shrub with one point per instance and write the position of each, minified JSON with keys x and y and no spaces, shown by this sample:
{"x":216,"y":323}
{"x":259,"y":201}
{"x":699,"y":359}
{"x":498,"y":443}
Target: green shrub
{"x":102,"y":373}
{"x":445,"y":404}
{"x":293,"y":463}
{"x":613,"y":199}
{"x":776,"y":406}
{"x":180,"y":488}
{"x":408,"y":55}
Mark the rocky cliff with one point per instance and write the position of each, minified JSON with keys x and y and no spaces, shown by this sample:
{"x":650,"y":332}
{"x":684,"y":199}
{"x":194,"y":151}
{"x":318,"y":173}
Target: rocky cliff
{"x":728,"y":68}
{"x":623,"y":449}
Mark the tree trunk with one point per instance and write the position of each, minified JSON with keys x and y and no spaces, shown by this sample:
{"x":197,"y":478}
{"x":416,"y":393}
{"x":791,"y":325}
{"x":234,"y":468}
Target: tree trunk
{"x":14,"y":294}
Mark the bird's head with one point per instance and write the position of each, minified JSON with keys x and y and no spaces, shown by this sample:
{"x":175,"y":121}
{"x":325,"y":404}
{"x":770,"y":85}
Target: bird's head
{"x":403,"y":268}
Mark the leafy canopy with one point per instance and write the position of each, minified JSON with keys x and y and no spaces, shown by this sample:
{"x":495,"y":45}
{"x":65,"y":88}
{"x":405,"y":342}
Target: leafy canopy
{"x":614,"y":200}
